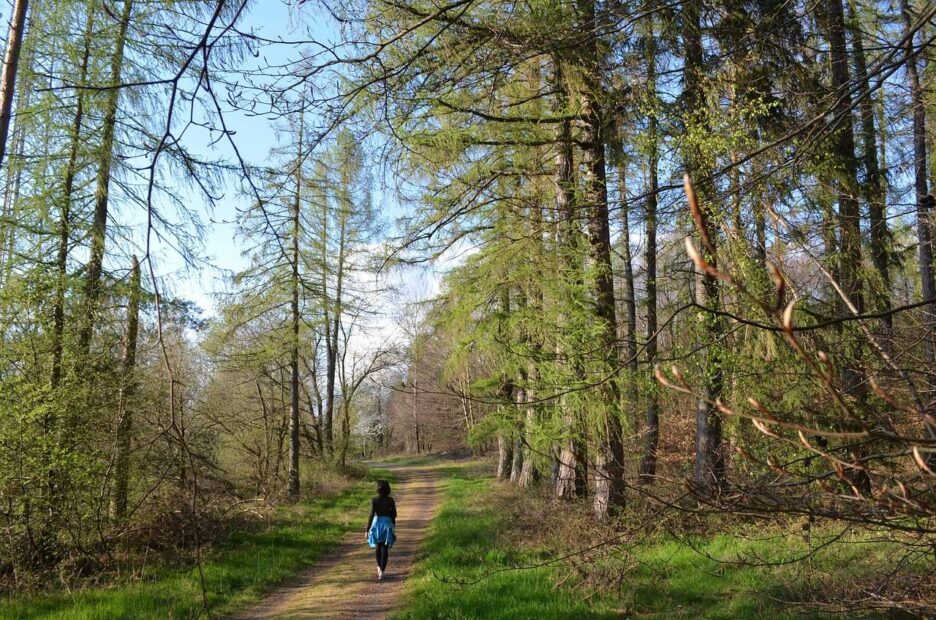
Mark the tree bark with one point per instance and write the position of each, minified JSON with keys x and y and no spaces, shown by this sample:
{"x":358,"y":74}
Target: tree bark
{"x":629,"y":331}
{"x":292,"y":491}
{"x":504,"y":456}
{"x":846,"y":182}
{"x":847,"y":177}
{"x":709,"y":470}
{"x":14,"y":175}
{"x":332,"y":337}
{"x":529,"y":378}
{"x":924,"y":206}
{"x":874,"y":189}
{"x":345,"y":432}
{"x":415,"y":413}
{"x":648,"y":461}
{"x":127,"y":390}
{"x":516,"y":466}
{"x":10,"y":66}
{"x":609,"y":457}
{"x":568,"y":483}
{"x":102,"y":191}
{"x":528,"y":472}
{"x":71,"y":170}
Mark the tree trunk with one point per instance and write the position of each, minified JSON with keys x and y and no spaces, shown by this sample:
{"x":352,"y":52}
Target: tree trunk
{"x":330,"y":354}
{"x":516,"y":466}
{"x":330,"y":370}
{"x":568,"y":483}
{"x":529,"y":378}
{"x":415,"y":413}
{"x":847,"y":178}
{"x":102,"y":191}
{"x":504,"y":456}
{"x":843,"y":148}
{"x":528,"y":472}
{"x":629,"y":331}
{"x":924,"y":206}
{"x":874,"y":190}
{"x":648,"y":462}
{"x":127,"y":390}
{"x":345,"y":432}
{"x":316,"y":407}
{"x":332,"y":337}
{"x":292,"y":491}
{"x":14,"y":172}
{"x":10,"y":65}
{"x":71,"y":170}
{"x":709,"y":470}
{"x":609,"y":457}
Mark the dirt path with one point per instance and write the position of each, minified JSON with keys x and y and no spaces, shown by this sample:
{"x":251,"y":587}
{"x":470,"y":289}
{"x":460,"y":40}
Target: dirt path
{"x":344,"y":583}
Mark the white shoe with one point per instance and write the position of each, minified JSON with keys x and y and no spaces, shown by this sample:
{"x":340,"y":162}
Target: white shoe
{"x":379,"y":574}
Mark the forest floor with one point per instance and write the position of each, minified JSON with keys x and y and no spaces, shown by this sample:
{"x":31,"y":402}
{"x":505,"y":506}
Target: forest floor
{"x":344,"y":584}
{"x":469,"y":547}
{"x":238,"y":569}
{"x":495,"y":551}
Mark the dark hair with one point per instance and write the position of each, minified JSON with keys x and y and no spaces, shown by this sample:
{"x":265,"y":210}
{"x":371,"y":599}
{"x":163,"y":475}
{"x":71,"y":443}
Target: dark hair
{"x":383,"y":488}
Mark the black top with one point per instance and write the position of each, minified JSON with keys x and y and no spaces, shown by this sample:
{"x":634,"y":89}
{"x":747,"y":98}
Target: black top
{"x":382,"y":507}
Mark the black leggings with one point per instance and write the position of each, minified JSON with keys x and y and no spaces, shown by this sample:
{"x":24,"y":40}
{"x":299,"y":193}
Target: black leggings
{"x":383,"y":554}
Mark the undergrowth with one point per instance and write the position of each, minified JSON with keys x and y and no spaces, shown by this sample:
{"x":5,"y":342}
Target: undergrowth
{"x":497,"y":552}
{"x":238,"y":569}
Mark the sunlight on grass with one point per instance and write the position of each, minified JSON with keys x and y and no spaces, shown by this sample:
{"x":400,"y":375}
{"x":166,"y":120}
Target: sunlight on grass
{"x":246,"y":565}
{"x":467,"y":570}
{"x":462,"y":547}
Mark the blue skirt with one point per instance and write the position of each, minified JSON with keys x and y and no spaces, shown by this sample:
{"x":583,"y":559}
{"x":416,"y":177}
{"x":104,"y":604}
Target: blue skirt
{"x":381,"y":531}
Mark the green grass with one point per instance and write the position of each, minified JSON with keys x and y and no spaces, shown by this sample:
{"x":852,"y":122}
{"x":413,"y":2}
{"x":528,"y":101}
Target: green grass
{"x":238,"y":572}
{"x":461,"y":545}
{"x":469,"y":541}
{"x":674,"y":580}
{"x":466,"y":569}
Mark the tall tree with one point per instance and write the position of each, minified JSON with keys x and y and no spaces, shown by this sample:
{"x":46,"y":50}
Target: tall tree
{"x":295,"y":319}
{"x":125,"y":399}
{"x":628,"y":327}
{"x":648,"y":462}
{"x":609,"y":457}
{"x":874,"y":188}
{"x":95,"y":265}
{"x":67,"y":198}
{"x":846,"y":172}
{"x":924,"y":207}
{"x":11,"y":57}
{"x":709,"y":470}
{"x":571,"y":457}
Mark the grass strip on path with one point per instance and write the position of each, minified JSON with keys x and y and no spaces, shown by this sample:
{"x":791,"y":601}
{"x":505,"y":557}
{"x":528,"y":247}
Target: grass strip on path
{"x":238,"y":570}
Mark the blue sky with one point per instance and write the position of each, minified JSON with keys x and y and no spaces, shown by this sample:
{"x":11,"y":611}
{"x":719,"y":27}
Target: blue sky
{"x":255,"y":137}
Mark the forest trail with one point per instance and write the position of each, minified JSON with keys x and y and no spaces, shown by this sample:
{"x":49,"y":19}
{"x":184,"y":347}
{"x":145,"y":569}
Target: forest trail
{"x":344,"y":585}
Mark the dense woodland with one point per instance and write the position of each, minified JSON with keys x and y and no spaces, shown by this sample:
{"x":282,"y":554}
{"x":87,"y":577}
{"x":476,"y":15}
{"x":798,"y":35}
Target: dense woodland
{"x":688,"y":253}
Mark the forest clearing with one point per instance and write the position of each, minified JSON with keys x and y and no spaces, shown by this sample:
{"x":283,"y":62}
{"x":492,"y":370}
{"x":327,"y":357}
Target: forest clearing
{"x":606,"y":308}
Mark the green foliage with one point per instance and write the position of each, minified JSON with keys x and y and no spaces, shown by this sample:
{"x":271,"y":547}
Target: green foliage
{"x":238,"y":571}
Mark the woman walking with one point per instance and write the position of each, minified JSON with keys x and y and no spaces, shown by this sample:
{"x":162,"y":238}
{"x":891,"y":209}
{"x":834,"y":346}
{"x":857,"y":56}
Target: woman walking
{"x":381,"y":525}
